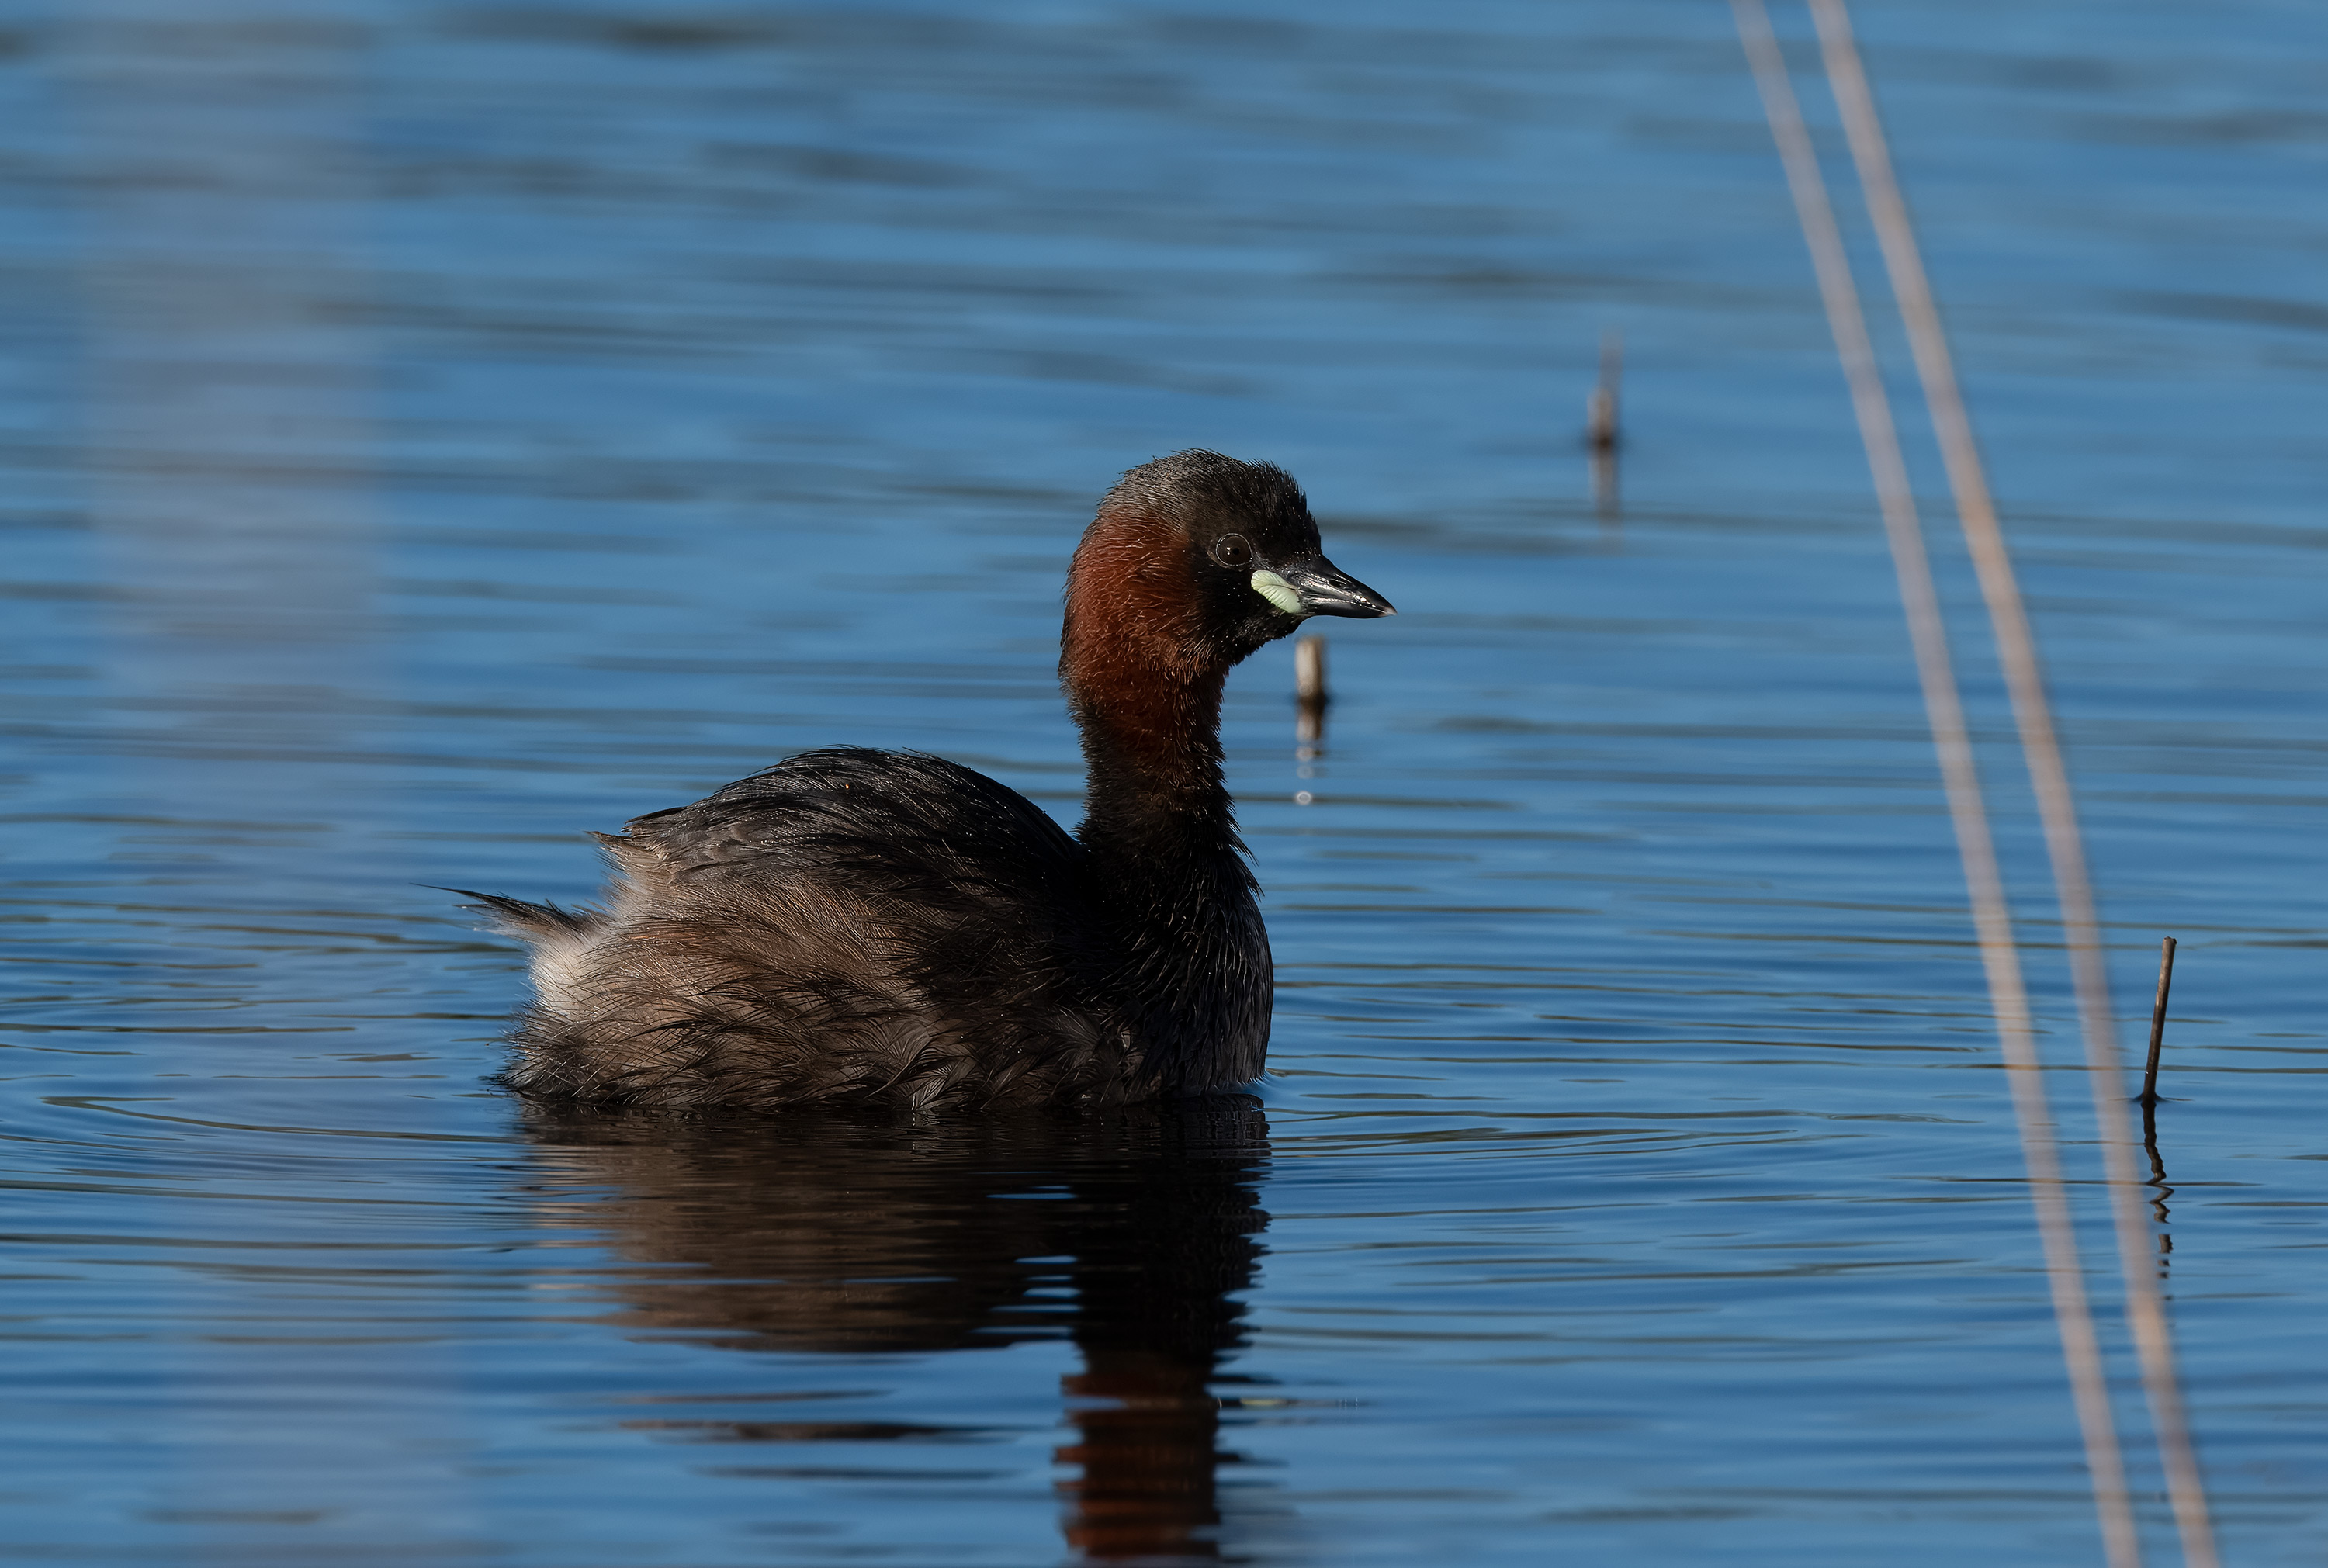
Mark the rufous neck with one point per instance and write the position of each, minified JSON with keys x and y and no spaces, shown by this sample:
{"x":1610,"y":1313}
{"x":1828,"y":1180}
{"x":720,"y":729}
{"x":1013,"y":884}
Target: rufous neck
{"x":1142,"y":684}
{"x":1152,"y":742}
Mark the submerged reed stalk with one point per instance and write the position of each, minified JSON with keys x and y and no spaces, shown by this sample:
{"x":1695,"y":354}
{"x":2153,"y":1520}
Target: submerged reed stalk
{"x":2158,"y":1021}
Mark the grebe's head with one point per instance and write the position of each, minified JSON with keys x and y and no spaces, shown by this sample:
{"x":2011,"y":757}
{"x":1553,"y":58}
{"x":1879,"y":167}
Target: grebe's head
{"x":1216,"y":555}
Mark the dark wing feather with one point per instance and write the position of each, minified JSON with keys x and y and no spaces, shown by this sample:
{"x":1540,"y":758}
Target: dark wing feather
{"x":902,"y":816}
{"x":534,"y":922}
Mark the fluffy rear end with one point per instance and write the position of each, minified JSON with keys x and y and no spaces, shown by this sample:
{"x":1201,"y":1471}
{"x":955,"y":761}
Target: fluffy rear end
{"x":557,"y":937}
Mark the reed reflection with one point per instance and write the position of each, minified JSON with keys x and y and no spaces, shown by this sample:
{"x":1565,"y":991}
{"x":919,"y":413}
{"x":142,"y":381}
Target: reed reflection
{"x":837,"y":1234}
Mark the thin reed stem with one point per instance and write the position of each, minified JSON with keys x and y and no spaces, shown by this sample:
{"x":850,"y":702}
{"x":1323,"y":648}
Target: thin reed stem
{"x":2016,"y":647}
{"x":2148,"y":1099}
{"x":1944,"y":710}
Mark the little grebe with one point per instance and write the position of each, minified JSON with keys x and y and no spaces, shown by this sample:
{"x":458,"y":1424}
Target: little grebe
{"x":857,"y":924}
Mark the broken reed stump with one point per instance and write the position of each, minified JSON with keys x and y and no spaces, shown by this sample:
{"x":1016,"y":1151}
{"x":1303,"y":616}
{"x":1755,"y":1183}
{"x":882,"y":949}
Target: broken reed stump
{"x":1601,"y":431}
{"x":1310,"y":690}
{"x":2149,"y":1097}
{"x":1604,"y":431}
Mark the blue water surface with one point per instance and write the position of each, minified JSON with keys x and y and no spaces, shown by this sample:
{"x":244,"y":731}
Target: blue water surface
{"x":433,"y":430}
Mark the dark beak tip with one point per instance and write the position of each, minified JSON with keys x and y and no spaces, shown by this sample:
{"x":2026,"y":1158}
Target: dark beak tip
{"x":1326,"y":590}
{"x":1372,"y":604}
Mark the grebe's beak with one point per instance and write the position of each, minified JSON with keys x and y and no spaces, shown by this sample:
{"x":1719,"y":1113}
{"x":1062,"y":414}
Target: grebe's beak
{"x":1326,"y":591}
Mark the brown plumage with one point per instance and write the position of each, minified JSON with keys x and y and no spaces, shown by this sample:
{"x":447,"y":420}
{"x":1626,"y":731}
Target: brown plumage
{"x":857,"y":924}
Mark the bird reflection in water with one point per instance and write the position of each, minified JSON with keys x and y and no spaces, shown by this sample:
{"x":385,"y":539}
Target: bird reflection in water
{"x":853,"y":1233}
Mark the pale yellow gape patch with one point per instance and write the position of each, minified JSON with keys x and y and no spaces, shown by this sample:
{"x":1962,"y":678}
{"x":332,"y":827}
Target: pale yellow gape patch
{"x":1277,"y":591}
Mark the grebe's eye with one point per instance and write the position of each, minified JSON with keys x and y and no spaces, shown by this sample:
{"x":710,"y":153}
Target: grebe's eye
{"x":1232,"y":551}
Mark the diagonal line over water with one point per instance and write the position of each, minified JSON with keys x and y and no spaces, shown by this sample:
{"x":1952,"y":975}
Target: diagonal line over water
{"x":2016,"y":646}
{"x":2009,"y":997}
